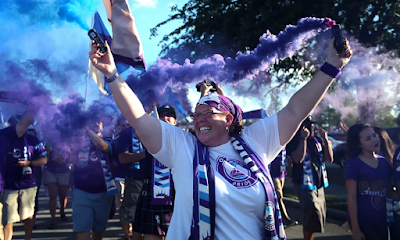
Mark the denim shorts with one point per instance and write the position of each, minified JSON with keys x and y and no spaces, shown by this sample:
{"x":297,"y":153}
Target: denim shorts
{"x":90,"y":211}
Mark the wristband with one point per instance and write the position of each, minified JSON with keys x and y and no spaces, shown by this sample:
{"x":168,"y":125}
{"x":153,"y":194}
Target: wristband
{"x":112,"y":78}
{"x":330,"y":70}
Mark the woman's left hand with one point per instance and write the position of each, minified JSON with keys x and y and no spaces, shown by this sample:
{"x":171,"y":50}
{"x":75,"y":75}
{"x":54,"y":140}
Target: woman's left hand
{"x":336,"y":59}
{"x":103,"y":62}
{"x":322,"y":133}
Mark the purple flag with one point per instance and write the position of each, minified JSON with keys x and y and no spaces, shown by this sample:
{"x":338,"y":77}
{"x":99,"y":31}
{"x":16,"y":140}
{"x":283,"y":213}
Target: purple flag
{"x":260,"y":113}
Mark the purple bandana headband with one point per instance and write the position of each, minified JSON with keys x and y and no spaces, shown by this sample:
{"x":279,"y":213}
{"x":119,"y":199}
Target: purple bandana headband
{"x":224,"y":104}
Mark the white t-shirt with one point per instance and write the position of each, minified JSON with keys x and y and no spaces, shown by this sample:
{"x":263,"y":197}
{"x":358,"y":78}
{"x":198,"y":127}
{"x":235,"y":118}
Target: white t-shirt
{"x":239,"y":195}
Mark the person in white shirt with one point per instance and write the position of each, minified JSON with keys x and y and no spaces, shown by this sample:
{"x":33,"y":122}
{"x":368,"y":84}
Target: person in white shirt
{"x":223,"y":190}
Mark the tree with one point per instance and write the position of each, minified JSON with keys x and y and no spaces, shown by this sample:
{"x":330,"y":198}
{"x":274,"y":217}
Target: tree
{"x":328,"y":118}
{"x":229,"y":26}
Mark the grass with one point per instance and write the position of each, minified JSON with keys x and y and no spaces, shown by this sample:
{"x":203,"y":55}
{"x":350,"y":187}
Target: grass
{"x":331,"y":201}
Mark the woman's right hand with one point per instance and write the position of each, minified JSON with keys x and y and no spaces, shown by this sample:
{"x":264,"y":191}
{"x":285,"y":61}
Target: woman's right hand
{"x":204,"y":88}
{"x":304,"y":132}
{"x":358,"y":235}
{"x":105,"y":63}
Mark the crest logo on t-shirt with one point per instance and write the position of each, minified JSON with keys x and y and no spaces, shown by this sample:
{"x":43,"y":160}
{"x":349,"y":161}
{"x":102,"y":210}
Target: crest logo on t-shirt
{"x":376,"y":190}
{"x":17,"y":153}
{"x":238,"y":177}
{"x":93,"y":156}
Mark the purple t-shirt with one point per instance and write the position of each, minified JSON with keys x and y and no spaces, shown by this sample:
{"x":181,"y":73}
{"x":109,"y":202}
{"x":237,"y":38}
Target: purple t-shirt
{"x":275,"y":166}
{"x":371,"y":190}
{"x":7,"y":135}
{"x":396,"y":165}
{"x":57,"y":162}
{"x":89,"y":174}
{"x":125,"y":143}
{"x":30,"y":148}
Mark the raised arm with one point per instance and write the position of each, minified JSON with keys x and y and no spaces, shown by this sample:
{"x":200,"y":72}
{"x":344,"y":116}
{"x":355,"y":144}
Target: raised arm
{"x":26,"y":120}
{"x":307,"y":98}
{"x":300,"y":152}
{"x":327,"y":148}
{"x":98,"y":141}
{"x":146,"y":126}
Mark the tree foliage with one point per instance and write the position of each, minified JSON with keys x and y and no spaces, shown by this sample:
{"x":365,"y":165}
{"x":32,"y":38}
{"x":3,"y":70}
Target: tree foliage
{"x":228,"y":26}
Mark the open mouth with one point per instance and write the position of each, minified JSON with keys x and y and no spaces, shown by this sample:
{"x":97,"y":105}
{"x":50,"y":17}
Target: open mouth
{"x":204,"y":129}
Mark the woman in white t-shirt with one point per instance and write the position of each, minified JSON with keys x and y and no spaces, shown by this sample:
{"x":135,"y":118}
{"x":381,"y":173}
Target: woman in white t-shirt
{"x":223,"y":189}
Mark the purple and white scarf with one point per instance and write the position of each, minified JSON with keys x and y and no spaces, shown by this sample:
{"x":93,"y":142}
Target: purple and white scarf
{"x":308,"y":178}
{"x":161,"y":191}
{"x":203,"y":223}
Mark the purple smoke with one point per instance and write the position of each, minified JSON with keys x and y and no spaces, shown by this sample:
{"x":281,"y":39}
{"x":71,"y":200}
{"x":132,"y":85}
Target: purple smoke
{"x":368,"y":86}
{"x":230,"y":71}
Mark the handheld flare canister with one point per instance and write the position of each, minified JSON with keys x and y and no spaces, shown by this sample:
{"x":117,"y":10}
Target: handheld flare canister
{"x":97,"y":39}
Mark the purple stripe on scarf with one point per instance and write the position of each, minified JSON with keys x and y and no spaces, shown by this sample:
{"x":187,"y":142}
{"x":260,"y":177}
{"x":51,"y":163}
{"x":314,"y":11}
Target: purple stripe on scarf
{"x":165,"y":178}
{"x":201,"y":158}
{"x":203,"y":181}
{"x":195,"y":221}
{"x":211,"y":184}
{"x":204,"y":203}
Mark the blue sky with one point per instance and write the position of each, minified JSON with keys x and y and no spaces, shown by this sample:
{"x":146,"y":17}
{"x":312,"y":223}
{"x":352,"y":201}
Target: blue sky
{"x":34,"y":30}
{"x":148,"y":13}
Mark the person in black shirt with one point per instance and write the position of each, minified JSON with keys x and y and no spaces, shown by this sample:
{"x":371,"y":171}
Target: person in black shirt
{"x":309,"y":149}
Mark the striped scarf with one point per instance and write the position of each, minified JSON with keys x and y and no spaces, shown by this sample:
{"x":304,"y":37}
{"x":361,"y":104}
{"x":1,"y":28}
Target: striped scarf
{"x":203,"y":224}
{"x":282,"y":163}
{"x":161,"y":191}
{"x":308,"y":179}
{"x":137,"y":147}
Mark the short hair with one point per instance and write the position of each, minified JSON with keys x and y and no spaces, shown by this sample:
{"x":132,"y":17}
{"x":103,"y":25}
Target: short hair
{"x":353,"y":145}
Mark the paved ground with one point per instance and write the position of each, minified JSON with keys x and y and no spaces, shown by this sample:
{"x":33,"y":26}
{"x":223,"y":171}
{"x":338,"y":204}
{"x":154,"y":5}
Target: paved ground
{"x":64,"y":229}
{"x":332,"y":232}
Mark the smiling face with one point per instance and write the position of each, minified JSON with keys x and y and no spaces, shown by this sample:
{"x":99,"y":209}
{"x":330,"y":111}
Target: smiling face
{"x":369,"y":141}
{"x":212,"y":130}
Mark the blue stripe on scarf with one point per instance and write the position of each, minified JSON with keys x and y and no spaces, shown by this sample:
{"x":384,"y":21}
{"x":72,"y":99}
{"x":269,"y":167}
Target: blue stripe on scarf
{"x":308,"y":178}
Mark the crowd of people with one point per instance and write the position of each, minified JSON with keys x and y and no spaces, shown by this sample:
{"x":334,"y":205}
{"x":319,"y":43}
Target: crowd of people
{"x":221,"y":181}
